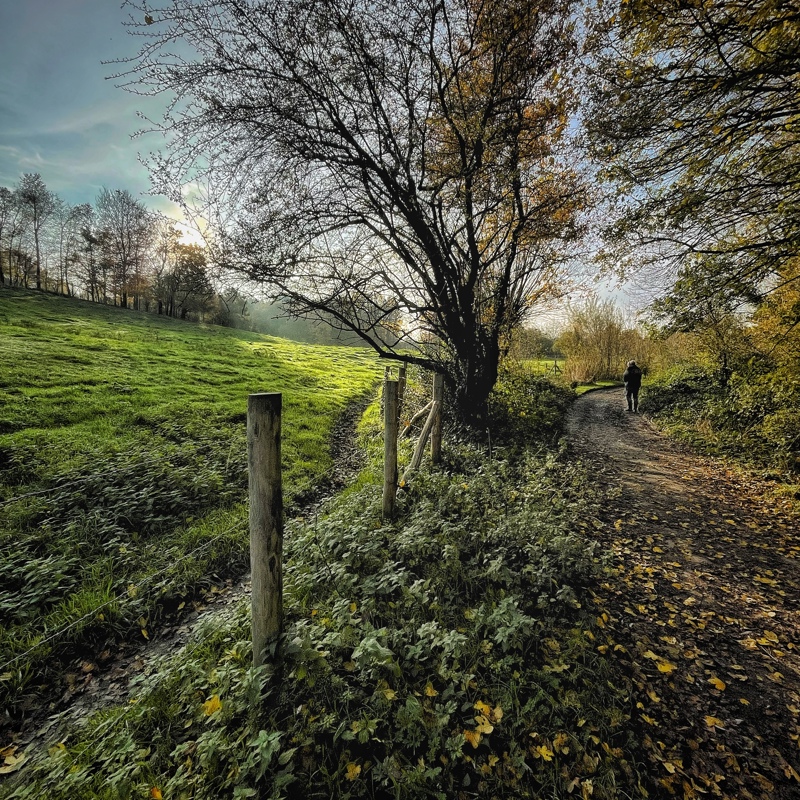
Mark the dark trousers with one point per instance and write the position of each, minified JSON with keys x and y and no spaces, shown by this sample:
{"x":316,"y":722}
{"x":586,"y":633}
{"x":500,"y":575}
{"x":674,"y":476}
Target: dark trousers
{"x":632,"y":396}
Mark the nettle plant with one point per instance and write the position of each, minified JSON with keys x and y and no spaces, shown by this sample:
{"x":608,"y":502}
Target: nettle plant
{"x":449,"y":653}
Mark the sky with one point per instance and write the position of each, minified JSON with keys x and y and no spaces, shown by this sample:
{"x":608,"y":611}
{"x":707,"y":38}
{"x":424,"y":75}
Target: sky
{"x":60,"y":114}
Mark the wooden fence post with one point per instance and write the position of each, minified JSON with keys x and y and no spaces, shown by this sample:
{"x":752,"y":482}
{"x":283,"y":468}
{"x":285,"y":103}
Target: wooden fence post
{"x":436,"y":432}
{"x":389,"y":446}
{"x":416,"y":458}
{"x":401,"y":391}
{"x":266,"y":518}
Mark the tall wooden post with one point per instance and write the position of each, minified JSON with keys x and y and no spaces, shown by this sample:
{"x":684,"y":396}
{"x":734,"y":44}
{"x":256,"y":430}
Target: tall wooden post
{"x":401,"y":390}
{"x":436,"y":432}
{"x":266,"y":518}
{"x":389,"y":447}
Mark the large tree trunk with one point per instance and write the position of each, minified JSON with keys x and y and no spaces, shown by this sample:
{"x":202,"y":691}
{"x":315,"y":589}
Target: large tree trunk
{"x":472,"y":378}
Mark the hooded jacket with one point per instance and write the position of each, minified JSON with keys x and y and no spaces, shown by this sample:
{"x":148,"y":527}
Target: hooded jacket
{"x":632,"y":378}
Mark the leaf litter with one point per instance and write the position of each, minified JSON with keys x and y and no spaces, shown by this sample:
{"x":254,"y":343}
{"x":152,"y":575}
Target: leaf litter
{"x":701,"y":611}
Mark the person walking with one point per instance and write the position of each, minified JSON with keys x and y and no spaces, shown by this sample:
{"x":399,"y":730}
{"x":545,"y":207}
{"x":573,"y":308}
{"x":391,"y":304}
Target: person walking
{"x":632,"y":378}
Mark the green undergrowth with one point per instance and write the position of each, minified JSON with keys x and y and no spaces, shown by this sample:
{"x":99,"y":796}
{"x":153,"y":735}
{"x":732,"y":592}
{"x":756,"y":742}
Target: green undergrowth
{"x":449,"y":653}
{"x":123,"y":467}
{"x":754,"y":419}
{"x":582,"y":388}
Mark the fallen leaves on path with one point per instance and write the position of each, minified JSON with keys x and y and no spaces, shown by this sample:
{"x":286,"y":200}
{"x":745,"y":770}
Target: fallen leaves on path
{"x":702,"y":613}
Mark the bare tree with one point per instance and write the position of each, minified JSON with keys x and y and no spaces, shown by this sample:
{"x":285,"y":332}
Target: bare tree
{"x":7,"y":209}
{"x":128,"y":225}
{"x":68,"y":221}
{"x":402,"y":168}
{"x":39,"y":204}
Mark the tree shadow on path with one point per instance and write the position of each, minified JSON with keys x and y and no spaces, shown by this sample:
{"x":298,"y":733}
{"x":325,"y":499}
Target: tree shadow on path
{"x":702,"y":608}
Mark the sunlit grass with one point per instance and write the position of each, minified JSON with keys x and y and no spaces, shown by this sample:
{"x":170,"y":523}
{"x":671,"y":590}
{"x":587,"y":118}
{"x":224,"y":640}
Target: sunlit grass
{"x":129,"y":430}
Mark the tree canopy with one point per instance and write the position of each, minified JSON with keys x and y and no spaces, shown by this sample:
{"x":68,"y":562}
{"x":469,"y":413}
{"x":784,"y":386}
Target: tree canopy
{"x":401,"y":167}
{"x":695,"y":114}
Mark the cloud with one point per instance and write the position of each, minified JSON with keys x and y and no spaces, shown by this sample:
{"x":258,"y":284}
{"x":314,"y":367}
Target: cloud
{"x":59,"y":115}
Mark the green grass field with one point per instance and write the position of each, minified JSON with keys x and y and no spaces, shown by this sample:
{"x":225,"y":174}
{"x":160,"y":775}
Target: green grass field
{"x":123,"y":465}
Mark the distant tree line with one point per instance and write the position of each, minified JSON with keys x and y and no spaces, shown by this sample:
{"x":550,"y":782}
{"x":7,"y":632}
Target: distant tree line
{"x":119,"y":252}
{"x":116,"y":251}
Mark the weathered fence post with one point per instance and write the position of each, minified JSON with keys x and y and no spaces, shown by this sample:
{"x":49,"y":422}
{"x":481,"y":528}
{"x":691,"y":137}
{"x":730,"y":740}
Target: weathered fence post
{"x":266,"y":518}
{"x":389,"y":446}
{"x":401,"y":390}
{"x":416,"y":458}
{"x":436,"y":431}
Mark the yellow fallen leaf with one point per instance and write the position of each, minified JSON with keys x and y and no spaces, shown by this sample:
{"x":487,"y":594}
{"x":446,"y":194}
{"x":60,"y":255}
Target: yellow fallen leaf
{"x":744,"y":702}
{"x":666,"y":666}
{"x":483,"y":725}
{"x":653,"y":696}
{"x":714,"y":722}
{"x":429,"y":690}
{"x":12,"y":764}
{"x":717,"y":683}
{"x":155,"y":793}
{"x":618,"y":524}
{"x":212,"y":705}
{"x":497,"y":714}
{"x":651,"y":655}
{"x":353,"y":771}
{"x":389,"y":694}
{"x":483,"y":708}
{"x":353,"y":608}
{"x":543,"y":752}
{"x":473,"y":737}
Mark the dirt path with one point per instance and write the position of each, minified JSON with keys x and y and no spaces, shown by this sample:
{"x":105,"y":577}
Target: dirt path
{"x":702,"y":609}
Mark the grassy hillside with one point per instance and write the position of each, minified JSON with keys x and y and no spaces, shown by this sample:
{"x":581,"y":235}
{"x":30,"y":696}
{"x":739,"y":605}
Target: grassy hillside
{"x":123,"y":462}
